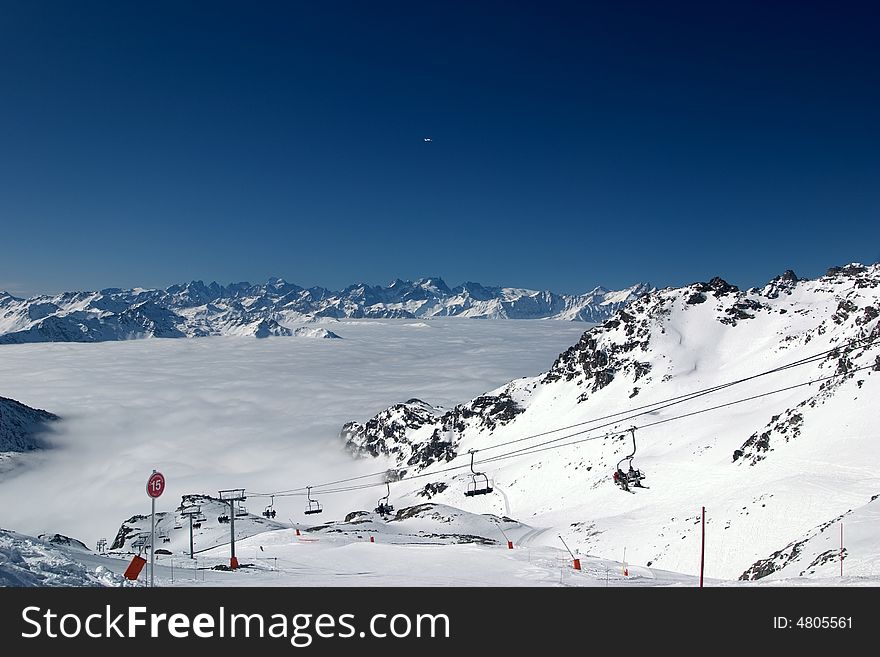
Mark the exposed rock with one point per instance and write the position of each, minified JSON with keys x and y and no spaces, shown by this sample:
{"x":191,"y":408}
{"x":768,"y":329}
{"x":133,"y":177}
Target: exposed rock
{"x":21,"y":426}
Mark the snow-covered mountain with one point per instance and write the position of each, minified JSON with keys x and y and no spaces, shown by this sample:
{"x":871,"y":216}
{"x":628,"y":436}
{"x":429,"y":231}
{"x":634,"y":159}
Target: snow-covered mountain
{"x":195,"y":309}
{"x":21,"y":426}
{"x":775,"y":463}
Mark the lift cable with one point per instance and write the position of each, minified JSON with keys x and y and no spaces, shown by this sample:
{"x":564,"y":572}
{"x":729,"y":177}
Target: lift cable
{"x":642,"y":410}
{"x":557,"y":444}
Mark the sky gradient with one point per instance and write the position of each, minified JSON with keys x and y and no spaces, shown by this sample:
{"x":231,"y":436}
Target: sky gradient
{"x":574,"y":144}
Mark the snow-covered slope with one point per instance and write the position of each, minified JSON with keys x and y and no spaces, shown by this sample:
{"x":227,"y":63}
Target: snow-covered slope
{"x":818,"y":553}
{"x":195,"y":309}
{"x":21,"y":426}
{"x":769,"y":466}
{"x":425,"y":523}
{"x":27,"y":561}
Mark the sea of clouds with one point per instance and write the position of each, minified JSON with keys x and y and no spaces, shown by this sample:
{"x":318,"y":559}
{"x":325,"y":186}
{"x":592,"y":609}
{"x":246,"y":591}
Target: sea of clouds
{"x":224,"y":412}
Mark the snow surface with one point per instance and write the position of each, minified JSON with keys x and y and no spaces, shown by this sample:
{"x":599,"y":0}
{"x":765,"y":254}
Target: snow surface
{"x":27,"y":561}
{"x":425,"y":550}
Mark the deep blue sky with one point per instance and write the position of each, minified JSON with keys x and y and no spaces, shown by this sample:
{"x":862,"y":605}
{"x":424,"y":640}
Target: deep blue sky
{"x":146,"y":143}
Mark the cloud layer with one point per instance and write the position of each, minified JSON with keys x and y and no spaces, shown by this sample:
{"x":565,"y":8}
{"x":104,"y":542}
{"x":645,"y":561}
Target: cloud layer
{"x":218,"y":413}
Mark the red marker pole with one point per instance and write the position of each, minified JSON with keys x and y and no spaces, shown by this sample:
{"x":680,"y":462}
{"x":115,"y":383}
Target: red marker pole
{"x":703,"y":548}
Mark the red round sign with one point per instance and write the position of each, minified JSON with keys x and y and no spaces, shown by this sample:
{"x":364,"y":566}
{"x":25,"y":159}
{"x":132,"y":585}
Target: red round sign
{"x":156,"y":484}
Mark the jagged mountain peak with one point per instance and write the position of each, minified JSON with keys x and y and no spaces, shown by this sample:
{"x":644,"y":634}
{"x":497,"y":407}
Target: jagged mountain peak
{"x":433,"y":283}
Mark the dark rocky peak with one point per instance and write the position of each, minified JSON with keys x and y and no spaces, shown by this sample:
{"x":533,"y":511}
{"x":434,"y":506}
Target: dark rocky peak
{"x":365,"y":294}
{"x":851,"y":269}
{"x":476,"y":291}
{"x":434,"y":283}
{"x":717,"y":285}
{"x":280,"y":286}
{"x":66,"y":541}
{"x":784,"y":283}
{"x":195,"y":292}
{"x":237,"y":289}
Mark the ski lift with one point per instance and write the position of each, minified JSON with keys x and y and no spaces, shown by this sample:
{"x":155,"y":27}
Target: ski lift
{"x":222,"y":519}
{"x":631,"y":476}
{"x":240,"y":510}
{"x":479,"y":484}
{"x":140,"y":543}
{"x":269,"y":512}
{"x":164,"y":536}
{"x":314,"y":506}
{"x":383,"y":507}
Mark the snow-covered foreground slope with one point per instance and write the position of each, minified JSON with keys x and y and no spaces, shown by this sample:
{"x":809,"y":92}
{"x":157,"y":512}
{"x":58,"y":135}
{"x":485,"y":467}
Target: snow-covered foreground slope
{"x":27,"y":561}
{"x":819,"y":553}
{"x":223,"y":412}
{"x":426,"y":545}
{"x":195,"y":309}
{"x":769,"y":468}
{"x":429,"y":546}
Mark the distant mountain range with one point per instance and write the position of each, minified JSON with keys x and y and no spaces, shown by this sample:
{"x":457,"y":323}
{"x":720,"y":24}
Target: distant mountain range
{"x":274,"y":308}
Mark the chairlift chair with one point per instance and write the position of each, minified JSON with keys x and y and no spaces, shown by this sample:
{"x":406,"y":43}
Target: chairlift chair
{"x":269,"y":511}
{"x":479,"y":484}
{"x":632,"y":476}
{"x":383,"y":507}
{"x":241,"y":511}
{"x":223,"y":519}
{"x":314,"y":506}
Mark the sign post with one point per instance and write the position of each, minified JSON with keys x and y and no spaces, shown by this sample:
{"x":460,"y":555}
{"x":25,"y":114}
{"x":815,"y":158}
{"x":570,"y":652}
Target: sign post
{"x":703,"y":547}
{"x":155,"y":487}
{"x":192,"y":513}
